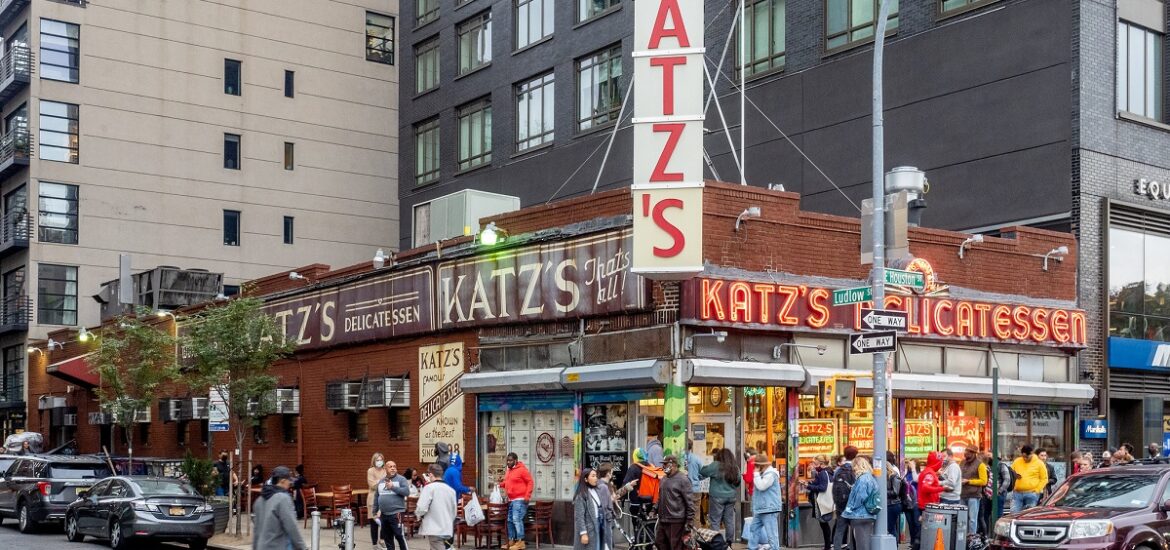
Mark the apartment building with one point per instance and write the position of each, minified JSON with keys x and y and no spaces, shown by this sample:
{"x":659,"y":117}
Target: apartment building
{"x":237,"y":137}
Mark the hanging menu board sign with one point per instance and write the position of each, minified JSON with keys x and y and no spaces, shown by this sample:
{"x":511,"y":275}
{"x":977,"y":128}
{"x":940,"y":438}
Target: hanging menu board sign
{"x":818,"y":437}
{"x":921,"y":438}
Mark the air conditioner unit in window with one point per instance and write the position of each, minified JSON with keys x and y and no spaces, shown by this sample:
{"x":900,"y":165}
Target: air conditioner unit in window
{"x":46,"y":402}
{"x":100,"y":419}
{"x":288,"y":401}
{"x":199,"y":408}
{"x":397,"y":392}
{"x":375,"y":393}
{"x":69,"y":420}
{"x":170,"y":410}
{"x":143,"y":417}
{"x":343,"y":396}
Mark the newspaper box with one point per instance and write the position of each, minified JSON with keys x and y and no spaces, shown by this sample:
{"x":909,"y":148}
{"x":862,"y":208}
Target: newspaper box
{"x":944,"y":527}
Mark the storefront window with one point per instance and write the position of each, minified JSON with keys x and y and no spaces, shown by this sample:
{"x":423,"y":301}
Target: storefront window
{"x":932,"y":425}
{"x":1139,"y":284}
{"x":1045,"y":430}
{"x":543,"y":440}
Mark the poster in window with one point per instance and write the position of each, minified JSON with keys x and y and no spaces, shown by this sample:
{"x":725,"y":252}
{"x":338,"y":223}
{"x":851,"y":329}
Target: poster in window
{"x":544,"y":478}
{"x":605,"y":428}
{"x":520,"y":420}
{"x":920,"y":438}
{"x":497,"y":450}
{"x":962,"y":433}
{"x":544,"y":420}
{"x":520,"y":442}
{"x":567,"y":479}
{"x":818,"y":437}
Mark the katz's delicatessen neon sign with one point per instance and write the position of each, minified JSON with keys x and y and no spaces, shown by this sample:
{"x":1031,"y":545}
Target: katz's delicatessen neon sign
{"x":804,"y":307}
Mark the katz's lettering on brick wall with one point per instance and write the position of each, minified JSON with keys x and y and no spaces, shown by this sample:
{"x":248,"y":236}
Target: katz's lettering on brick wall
{"x":381,"y":307}
{"x":668,"y":138}
{"x":586,"y":276}
{"x":804,"y":307}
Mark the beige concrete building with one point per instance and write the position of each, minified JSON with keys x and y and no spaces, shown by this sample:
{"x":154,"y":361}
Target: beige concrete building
{"x":242,"y":137}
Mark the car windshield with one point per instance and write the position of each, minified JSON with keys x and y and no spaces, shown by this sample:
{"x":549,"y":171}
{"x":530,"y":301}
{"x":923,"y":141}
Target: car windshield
{"x":159,"y":488}
{"x":78,"y":471}
{"x":1106,"y":491}
{"x":5,"y":463}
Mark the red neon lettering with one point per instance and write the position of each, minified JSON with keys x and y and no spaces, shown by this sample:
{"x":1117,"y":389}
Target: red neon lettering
{"x":1020,"y":316}
{"x":1078,"y":327}
{"x":764,"y":293}
{"x":940,"y":321}
{"x":818,"y":307}
{"x":740,"y":302}
{"x":892,"y":302}
{"x":675,"y":129}
{"x":965,"y":321}
{"x":712,"y":305}
{"x":982,"y":323}
{"x":678,"y":31}
{"x":1039,"y":324}
{"x":668,"y":64}
{"x":926,"y":316}
{"x":1003,"y":321}
{"x":789,"y":293}
{"x":1059,"y":321}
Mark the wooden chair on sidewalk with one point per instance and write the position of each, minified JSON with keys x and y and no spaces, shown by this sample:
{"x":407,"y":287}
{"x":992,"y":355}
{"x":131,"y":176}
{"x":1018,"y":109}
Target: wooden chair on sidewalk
{"x":542,"y":521}
{"x":410,"y":518}
{"x":462,"y":529}
{"x":495,"y":523}
{"x":342,"y":498}
{"x":309,"y":501}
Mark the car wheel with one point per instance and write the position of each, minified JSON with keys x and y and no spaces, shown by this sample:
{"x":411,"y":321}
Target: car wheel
{"x":117,"y":539}
{"x":197,"y":544}
{"x":71,"y":531}
{"x":23,"y":522}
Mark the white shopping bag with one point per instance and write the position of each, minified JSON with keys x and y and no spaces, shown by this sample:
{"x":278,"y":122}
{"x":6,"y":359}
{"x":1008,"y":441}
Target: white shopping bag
{"x":747,"y":529}
{"x":496,"y":497}
{"x":473,"y":512}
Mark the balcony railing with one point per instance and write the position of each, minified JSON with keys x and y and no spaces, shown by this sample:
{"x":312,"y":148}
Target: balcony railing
{"x":15,"y":69}
{"x":11,"y":388}
{"x":15,"y":231}
{"x":15,"y":148}
{"x":15,"y":314}
{"x":10,"y":10}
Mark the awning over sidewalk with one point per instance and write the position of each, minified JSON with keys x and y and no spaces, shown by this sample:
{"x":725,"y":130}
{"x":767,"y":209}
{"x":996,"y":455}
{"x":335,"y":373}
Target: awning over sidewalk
{"x":515,"y":380}
{"x":715,"y":372}
{"x":76,"y":370}
{"x":949,"y":386}
{"x":626,"y":374}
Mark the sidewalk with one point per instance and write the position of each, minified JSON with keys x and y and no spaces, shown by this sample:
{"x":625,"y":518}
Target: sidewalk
{"x":331,"y":538}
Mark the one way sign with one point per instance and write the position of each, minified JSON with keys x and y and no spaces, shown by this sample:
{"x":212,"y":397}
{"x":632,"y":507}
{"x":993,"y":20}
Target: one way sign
{"x":873,"y":342}
{"x":883,"y":319}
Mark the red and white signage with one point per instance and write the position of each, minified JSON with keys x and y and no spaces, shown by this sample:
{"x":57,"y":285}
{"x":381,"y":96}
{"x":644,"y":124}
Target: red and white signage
{"x":668,"y":138}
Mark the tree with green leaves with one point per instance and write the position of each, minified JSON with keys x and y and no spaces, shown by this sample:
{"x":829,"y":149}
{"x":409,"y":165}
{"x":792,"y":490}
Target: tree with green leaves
{"x":232,"y":348}
{"x":134,"y":361}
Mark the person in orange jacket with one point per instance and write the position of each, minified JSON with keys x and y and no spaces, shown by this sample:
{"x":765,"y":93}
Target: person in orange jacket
{"x":518,"y":485}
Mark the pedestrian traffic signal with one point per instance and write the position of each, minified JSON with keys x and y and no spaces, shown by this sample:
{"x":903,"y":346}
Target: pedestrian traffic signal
{"x":837,"y":393}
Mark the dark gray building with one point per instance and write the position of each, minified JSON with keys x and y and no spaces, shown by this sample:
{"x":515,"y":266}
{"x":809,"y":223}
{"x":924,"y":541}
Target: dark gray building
{"x":1021,"y":112}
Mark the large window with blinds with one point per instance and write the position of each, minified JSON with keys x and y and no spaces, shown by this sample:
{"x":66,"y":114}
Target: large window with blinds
{"x":1139,"y":274}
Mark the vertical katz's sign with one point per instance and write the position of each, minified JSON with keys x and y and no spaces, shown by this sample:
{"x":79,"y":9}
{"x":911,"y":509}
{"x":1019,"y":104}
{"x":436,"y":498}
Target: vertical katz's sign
{"x":668,"y":138}
{"x":440,"y":399}
{"x":585,"y":276}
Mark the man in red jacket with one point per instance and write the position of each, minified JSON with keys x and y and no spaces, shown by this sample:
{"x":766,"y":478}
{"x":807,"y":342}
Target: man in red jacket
{"x":518,"y":485}
{"x":929,"y":489}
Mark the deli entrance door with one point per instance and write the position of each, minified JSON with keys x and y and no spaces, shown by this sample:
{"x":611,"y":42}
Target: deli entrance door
{"x":711,"y":432}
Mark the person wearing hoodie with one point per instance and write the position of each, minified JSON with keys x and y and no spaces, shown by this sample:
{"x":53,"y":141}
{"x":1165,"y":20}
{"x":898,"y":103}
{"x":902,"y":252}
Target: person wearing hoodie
{"x":951,"y":478}
{"x":861,"y":518}
{"x":929,"y":485}
{"x":392,"y":492}
{"x":974,"y":474}
{"x":517,"y":485}
{"x":443,"y":454}
{"x":453,"y":477}
{"x":436,"y":510}
{"x":1032,"y":480}
{"x":274,"y":519}
{"x":765,"y":505}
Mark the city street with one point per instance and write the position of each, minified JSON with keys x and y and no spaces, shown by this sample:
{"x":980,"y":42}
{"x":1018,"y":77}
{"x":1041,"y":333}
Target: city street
{"x":50,"y":539}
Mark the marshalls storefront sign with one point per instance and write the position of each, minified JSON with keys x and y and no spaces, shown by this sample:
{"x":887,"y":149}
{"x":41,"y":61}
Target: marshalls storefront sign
{"x":668,"y":138}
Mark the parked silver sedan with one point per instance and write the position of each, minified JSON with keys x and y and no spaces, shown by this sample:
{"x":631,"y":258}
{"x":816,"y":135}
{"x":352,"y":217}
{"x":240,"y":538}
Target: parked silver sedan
{"x":123,"y":509}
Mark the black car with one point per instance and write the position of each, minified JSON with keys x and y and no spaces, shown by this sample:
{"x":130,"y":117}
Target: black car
{"x":36,"y":489}
{"x":123,"y":509}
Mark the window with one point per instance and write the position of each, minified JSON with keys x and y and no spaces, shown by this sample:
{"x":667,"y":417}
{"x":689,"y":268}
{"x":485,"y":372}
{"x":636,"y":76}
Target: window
{"x":422,"y":224}
{"x":1139,"y":71}
{"x":289,"y":426}
{"x":359,"y":426}
{"x":289,"y":83}
{"x":288,"y":230}
{"x":426,"y":140}
{"x":598,"y":95}
{"x":949,"y":6}
{"x":849,"y":21}
{"x":60,"y":50}
{"x":231,"y":290}
{"x":379,"y":38}
{"x":181,"y":430}
{"x":475,"y":42}
{"x":57,"y":295}
{"x":231,"y":151}
{"x":534,"y":112}
{"x":426,"y":66}
{"x":59,"y":132}
{"x":475,"y":134}
{"x":144,"y":434}
{"x":399,"y":419}
{"x":765,"y":36}
{"x":426,"y":11}
{"x":1139,"y":275}
{"x":534,"y":21}
{"x":259,"y":431}
{"x":231,"y":228}
{"x":588,"y":9}
{"x":289,"y":155}
{"x":12,"y":377}
{"x":58,"y":213}
{"x":231,"y":77}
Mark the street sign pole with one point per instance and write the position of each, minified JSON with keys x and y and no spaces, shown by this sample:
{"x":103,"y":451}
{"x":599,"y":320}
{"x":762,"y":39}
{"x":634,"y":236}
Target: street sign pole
{"x":882,"y":539}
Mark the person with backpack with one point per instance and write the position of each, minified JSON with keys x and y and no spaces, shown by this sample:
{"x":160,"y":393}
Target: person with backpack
{"x":896,"y":495}
{"x":723,"y":491}
{"x":974,"y":479}
{"x":1005,"y":484}
{"x":843,"y":479}
{"x":816,"y":487}
{"x":766,"y":505}
{"x":864,"y":503}
{"x":910,"y":506}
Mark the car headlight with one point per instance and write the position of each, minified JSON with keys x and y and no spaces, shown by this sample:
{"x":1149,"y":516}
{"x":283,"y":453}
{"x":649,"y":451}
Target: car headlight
{"x":1003,"y":528}
{"x":1084,"y":529}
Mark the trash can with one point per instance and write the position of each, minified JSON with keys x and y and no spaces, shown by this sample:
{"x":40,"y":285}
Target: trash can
{"x":944,"y":527}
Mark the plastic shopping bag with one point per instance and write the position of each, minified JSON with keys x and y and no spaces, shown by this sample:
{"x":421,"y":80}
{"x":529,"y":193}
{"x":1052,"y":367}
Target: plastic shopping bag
{"x":473,"y":512}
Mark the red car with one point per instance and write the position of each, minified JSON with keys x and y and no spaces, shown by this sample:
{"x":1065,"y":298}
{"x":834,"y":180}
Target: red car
{"x":1119,"y":508}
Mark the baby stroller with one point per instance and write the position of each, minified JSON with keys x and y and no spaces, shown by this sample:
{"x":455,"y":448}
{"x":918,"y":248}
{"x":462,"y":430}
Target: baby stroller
{"x":707,"y":539}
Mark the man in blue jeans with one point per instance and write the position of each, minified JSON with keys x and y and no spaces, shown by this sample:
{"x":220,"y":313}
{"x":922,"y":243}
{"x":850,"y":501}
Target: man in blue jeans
{"x":517,"y":485}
